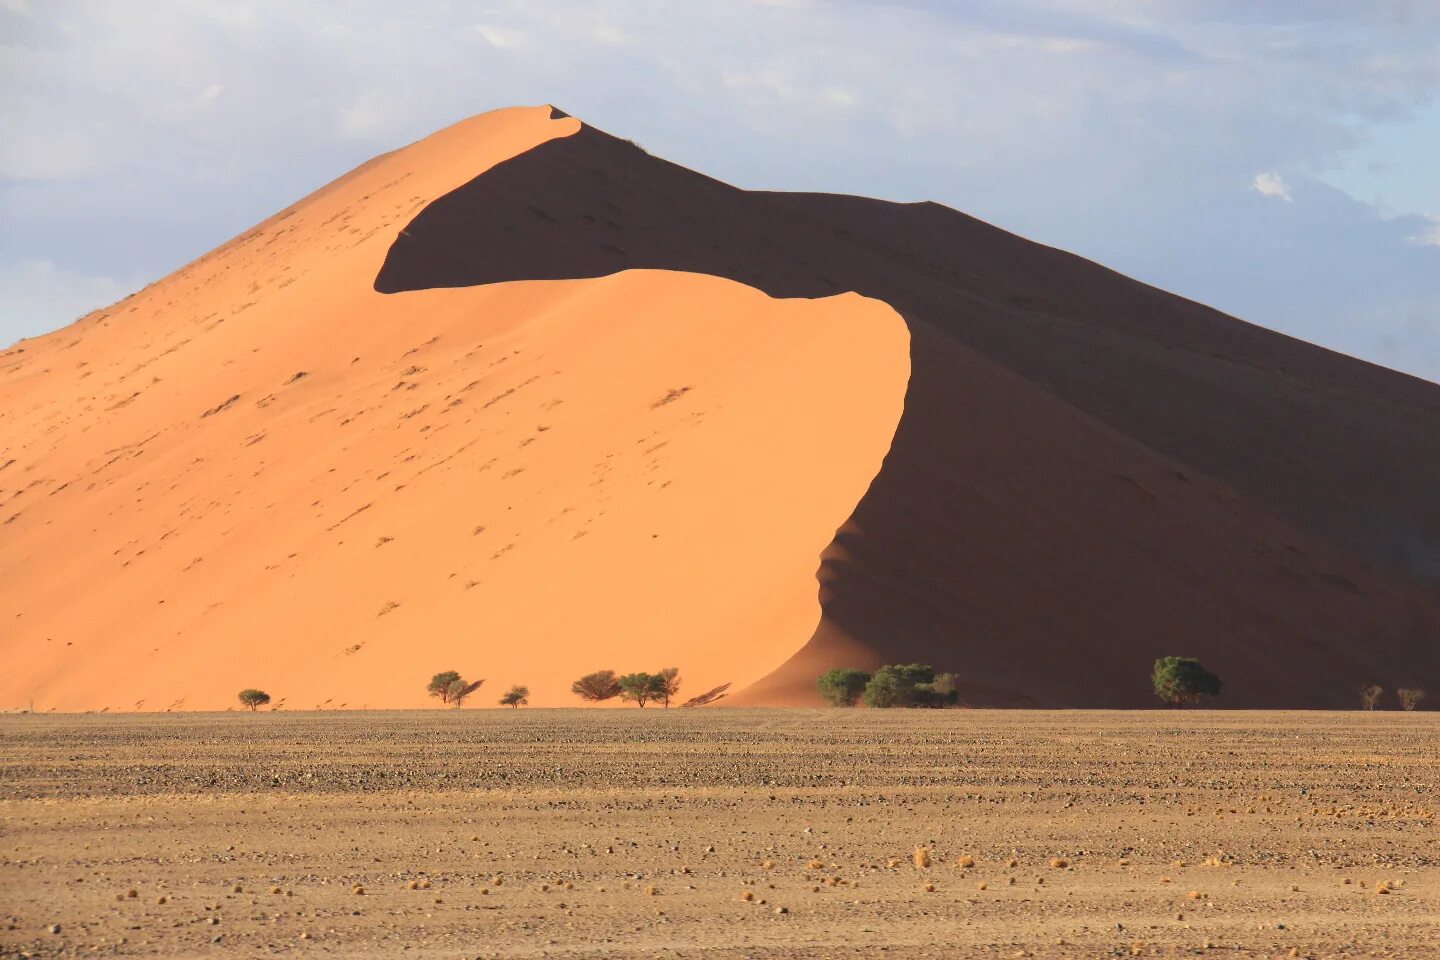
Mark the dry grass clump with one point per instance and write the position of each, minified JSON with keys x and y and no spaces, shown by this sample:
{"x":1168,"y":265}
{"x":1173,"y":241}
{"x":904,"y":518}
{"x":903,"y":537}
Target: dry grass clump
{"x":921,"y":858}
{"x":1059,"y":863}
{"x":965,"y":861}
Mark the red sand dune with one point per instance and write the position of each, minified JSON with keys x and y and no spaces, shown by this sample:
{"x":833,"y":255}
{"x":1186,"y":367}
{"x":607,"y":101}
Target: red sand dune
{"x":524,"y":401}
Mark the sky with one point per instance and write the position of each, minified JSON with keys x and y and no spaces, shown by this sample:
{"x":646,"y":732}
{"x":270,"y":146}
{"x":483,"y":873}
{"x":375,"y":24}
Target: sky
{"x":1276,"y":159}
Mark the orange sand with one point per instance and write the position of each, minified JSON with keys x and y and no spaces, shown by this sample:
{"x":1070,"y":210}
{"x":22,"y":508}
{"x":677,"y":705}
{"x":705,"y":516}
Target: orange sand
{"x":488,"y":479}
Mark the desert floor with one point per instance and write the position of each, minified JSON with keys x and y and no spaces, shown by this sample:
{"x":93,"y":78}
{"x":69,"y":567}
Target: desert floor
{"x":720,"y":833}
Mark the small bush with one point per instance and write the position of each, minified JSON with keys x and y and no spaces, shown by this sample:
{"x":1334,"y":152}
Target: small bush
{"x":516,"y":697}
{"x":1370,"y":694}
{"x":843,"y":686}
{"x":1182,"y":680}
{"x":254,"y":699}
{"x":597,"y":686}
{"x":1410,"y":697}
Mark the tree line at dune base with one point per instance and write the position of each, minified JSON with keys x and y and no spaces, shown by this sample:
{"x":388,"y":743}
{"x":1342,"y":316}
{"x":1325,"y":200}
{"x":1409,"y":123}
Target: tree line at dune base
{"x":1177,"y":681}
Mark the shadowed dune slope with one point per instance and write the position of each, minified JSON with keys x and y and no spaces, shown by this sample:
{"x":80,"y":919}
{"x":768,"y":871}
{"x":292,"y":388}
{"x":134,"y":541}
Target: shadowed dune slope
{"x":261,"y":472}
{"x":1089,"y":472}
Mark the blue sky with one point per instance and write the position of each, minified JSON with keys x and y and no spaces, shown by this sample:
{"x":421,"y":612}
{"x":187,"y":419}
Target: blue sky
{"x":1278,"y":159}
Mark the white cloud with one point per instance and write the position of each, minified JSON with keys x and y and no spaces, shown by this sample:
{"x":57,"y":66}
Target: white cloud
{"x":501,"y":38}
{"x":39,"y":295}
{"x":1429,"y":235}
{"x":1271,"y":185}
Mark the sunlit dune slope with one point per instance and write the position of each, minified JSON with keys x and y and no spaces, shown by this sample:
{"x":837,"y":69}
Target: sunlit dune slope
{"x":262,"y":472}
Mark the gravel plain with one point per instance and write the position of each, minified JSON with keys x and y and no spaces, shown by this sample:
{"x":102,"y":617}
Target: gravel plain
{"x":720,"y":833}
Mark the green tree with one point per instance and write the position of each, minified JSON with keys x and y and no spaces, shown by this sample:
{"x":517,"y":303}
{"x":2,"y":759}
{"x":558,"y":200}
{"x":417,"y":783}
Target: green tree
{"x":254,"y":699}
{"x":639,"y":687}
{"x":597,"y":686}
{"x":458,"y":690}
{"x":842,"y":686}
{"x":900,"y":685}
{"x":1182,"y":680}
{"x":516,"y":697}
{"x":441,"y":683}
{"x":667,"y":684}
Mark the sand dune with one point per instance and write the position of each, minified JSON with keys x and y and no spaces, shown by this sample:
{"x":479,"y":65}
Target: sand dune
{"x":525,"y":401}
{"x":332,"y":493}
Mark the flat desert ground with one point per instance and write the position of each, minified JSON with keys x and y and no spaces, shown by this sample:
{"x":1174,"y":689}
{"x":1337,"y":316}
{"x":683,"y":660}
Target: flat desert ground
{"x":720,"y":833}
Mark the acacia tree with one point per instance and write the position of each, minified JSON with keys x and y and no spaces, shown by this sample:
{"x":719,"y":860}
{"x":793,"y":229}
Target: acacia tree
{"x":254,"y":699}
{"x":842,"y":686}
{"x":516,"y":696}
{"x":667,"y":684}
{"x":638,"y":687}
{"x":1182,"y":680}
{"x":1370,"y":694}
{"x":597,"y":686}
{"x":441,"y":683}
{"x":1410,"y":697}
{"x":458,"y":690}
